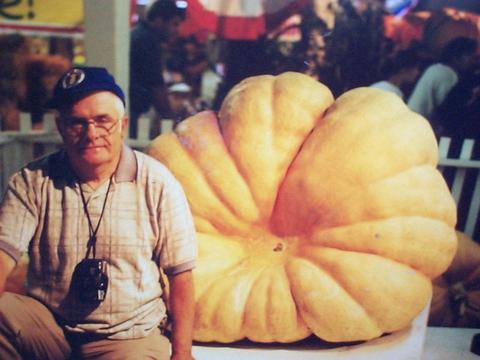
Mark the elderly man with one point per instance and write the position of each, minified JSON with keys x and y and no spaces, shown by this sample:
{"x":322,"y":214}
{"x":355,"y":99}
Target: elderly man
{"x":98,"y":220}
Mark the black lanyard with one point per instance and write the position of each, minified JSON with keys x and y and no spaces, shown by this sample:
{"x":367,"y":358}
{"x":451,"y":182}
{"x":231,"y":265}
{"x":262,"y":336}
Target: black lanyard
{"x":93,"y":232}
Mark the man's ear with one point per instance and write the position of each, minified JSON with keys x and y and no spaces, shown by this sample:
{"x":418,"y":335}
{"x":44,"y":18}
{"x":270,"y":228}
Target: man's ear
{"x":125,"y":126}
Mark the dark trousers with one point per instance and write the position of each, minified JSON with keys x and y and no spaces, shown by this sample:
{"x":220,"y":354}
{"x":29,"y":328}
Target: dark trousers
{"x":28,"y":330}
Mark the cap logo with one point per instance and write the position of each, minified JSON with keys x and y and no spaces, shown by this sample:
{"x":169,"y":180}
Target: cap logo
{"x":73,"y":78}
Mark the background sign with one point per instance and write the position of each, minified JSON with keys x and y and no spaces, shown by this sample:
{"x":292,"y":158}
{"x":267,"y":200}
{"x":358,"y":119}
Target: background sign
{"x":57,"y":16}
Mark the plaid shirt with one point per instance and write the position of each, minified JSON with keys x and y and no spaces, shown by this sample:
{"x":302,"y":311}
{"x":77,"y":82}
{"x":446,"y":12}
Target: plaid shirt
{"x":147,"y":224}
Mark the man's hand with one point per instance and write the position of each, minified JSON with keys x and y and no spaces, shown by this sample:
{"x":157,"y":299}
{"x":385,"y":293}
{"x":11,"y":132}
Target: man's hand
{"x":182,"y":311}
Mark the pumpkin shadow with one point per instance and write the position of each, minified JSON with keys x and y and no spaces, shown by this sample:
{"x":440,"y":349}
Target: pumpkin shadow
{"x":310,"y":343}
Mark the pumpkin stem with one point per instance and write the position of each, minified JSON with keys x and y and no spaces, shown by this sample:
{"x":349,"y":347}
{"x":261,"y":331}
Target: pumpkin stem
{"x":278,"y":247}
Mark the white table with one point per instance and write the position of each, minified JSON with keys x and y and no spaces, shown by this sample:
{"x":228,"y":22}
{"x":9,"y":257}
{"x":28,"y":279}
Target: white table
{"x":449,"y":344}
{"x":439,"y":344}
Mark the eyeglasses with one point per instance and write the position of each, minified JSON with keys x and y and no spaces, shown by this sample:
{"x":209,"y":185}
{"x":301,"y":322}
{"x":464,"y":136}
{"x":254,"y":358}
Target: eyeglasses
{"x":103,"y":124}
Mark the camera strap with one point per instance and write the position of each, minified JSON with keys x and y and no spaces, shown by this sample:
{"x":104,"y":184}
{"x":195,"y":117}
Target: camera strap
{"x":93,"y":232}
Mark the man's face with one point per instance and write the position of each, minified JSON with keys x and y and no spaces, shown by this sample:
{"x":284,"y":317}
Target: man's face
{"x":410,"y":75}
{"x":167,"y":29}
{"x":93,"y":129}
{"x":465,"y":62}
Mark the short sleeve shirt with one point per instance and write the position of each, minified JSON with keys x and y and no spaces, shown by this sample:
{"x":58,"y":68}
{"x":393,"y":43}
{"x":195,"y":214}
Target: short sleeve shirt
{"x":146,"y":225}
{"x":432,"y":88}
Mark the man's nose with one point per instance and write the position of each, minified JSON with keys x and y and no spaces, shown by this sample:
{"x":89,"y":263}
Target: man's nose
{"x":91,"y":130}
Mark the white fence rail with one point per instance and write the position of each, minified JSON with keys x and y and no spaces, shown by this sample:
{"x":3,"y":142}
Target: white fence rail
{"x":458,"y":162}
{"x":460,"y":165}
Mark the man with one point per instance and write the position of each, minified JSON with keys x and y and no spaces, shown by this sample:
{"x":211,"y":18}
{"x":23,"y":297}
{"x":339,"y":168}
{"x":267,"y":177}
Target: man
{"x":401,"y":72}
{"x":439,"y":78}
{"x":147,"y":39}
{"x":458,"y":116}
{"x":98,"y":220}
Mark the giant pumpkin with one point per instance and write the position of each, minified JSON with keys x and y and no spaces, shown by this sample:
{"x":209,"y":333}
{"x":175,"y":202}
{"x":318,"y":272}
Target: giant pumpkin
{"x":313,"y":215}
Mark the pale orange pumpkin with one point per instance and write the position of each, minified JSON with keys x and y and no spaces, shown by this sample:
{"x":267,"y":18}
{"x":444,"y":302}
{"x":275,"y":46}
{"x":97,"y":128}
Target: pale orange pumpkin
{"x":313,"y":215}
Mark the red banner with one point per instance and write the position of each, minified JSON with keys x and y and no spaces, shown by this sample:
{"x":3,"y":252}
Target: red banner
{"x":238,"y":19}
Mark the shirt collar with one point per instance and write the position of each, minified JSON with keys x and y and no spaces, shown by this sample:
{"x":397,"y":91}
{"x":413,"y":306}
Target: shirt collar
{"x":127,"y":166}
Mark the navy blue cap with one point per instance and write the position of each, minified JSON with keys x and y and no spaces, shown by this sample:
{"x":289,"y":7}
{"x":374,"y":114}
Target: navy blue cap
{"x":79,"y":82}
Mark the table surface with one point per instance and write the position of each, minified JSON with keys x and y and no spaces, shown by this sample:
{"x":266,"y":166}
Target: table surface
{"x":440,"y":344}
{"x":449,"y":344}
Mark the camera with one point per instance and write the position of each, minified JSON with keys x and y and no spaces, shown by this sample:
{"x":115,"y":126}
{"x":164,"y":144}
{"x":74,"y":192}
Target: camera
{"x":90,"y":280}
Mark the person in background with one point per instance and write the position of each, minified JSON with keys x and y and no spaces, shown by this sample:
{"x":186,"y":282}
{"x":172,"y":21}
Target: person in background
{"x":43,"y":72}
{"x":147,"y":41}
{"x":314,"y":39}
{"x":357,"y":44}
{"x":99,"y":222}
{"x":182,"y":102}
{"x":194,"y":62}
{"x":458,"y":116}
{"x":439,"y":78}
{"x":401,"y":72}
{"x":14,"y":51}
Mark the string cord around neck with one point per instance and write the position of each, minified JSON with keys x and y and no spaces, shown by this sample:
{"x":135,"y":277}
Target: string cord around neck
{"x":91,"y":231}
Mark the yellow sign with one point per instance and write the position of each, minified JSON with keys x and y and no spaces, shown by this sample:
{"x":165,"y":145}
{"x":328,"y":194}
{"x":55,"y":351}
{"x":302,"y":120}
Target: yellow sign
{"x":55,"y":13}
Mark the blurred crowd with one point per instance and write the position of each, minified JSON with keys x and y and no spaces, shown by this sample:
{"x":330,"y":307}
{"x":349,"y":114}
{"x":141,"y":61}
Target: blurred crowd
{"x":26,"y":80}
{"x":345,"y":44}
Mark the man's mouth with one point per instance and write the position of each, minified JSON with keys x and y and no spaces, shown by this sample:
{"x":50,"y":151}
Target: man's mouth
{"x":91,"y":146}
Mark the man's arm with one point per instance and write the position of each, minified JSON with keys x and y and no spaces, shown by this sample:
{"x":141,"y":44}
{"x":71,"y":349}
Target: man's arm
{"x":6,"y":266}
{"x":182,"y":311}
